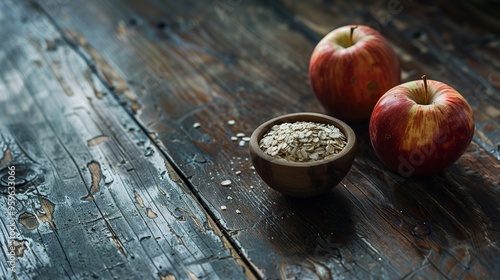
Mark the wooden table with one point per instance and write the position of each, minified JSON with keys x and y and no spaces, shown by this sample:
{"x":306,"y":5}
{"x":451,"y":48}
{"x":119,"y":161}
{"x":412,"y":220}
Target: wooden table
{"x":98,"y":101}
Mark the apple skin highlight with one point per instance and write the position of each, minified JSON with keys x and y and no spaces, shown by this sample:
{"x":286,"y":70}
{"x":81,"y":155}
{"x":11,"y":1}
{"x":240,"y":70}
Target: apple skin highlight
{"x":349,"y":75}
{"x":421,"y":139}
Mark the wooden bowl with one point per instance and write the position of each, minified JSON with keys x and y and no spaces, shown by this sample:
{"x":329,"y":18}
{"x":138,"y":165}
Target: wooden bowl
{"x":303,"y":179}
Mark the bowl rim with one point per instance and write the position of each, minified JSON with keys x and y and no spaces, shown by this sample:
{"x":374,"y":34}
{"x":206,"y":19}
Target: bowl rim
{"x":344,"y":127}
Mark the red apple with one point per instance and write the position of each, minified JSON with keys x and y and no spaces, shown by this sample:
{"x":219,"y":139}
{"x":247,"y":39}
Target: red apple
{"x":421,"y":127}
{"x":350,"y":69}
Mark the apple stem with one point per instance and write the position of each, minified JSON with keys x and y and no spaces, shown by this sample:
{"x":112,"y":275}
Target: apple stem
{"x":352,"y":32}
{"x":424,"y":77}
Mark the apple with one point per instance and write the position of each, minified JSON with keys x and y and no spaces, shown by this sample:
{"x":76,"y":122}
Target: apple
{"x":421,"y":127}
{"x":350,"y":69}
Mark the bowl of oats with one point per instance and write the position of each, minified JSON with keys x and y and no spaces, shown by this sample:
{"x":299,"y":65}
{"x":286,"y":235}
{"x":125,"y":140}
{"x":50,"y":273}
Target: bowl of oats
{"x":303,"y":154}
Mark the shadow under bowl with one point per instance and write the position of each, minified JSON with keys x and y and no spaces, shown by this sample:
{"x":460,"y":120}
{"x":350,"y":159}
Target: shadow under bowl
{"x":303,"y":179}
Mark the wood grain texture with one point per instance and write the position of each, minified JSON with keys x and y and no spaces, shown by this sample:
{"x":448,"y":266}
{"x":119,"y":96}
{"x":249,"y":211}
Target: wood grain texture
{"x":81,"y":163}
{"x":209,"y":62}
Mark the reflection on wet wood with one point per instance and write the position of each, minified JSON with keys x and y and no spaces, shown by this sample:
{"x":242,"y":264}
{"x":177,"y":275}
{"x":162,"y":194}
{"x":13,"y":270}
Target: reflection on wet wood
{"x":79,"y":158}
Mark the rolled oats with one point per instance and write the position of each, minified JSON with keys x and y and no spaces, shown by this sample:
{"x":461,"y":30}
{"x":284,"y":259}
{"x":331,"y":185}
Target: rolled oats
{"x":303,"y":141}
{"x":226,"y":183}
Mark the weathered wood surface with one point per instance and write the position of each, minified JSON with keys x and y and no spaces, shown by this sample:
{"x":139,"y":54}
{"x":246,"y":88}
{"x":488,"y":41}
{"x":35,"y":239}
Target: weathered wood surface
{"x":172,"y":64}
{"x":95,"y":197}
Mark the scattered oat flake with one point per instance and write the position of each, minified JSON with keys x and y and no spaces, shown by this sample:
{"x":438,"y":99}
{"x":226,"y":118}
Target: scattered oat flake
{"x":223,"y":207}
{"x":226,"y":183}
{"x":242,"y":143}
{"x":251,"y":187}
{"x":246,"y":138}
{"x":234,"y":138}
{"x":229,"y":197}
{"x":196,"y":125}
{"x":237,"y":172}
{"x":240,"y":134}
{"x":231,"y":122}
{"x":238,"y":211}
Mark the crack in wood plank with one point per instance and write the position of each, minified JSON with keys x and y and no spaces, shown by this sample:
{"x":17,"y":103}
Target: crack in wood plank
{"x":138,"y":199}
{"x":111,"y":77}
{"x":46,"y":213}
{"x":250,"y":269}
{"x":7,"y":157}
{"x":162,"y":191}
{"x":115,"y":238}
{"x":179,"y":238}
{"x":195,"y":220}
{"x":172,"y":174}
{"x":96,"y":177}
{"x":88,"y":76}
{"x":54,"y":67}
{"x":97,"y":140}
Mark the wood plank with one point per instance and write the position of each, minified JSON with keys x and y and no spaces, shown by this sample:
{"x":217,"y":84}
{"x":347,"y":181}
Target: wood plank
{"x":207,"y":63}
{"x":95,"y":198}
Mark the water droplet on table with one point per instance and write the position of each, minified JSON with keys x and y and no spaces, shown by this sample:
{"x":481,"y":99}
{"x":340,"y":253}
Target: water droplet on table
{"x":421,"y":230}
{"x":149,"y":152}
{"x":200,"y":159}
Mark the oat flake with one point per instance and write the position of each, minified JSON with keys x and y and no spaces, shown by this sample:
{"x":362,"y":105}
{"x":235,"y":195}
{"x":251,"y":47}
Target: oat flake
{"x":226,"y":183}
{"x":303,"y":141}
